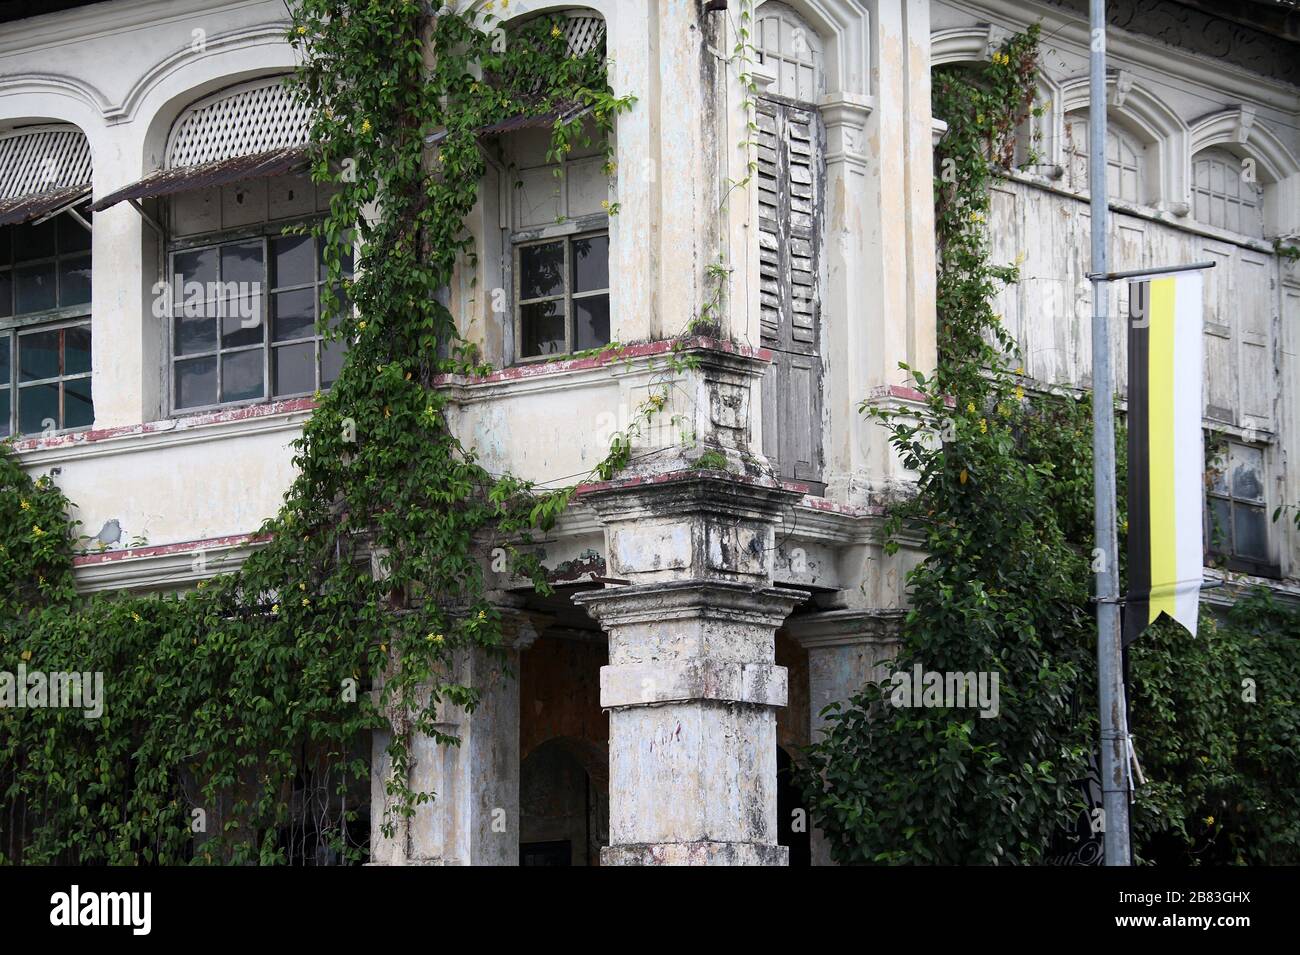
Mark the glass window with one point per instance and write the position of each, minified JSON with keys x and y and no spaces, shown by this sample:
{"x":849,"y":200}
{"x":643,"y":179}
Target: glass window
{"x":45,"y":355}
{"x":245,"y":322}
{"x":1237,"y":510}
{"x":245,"y":317}
{"x":45,"y":381}
{"x":562,"y":289}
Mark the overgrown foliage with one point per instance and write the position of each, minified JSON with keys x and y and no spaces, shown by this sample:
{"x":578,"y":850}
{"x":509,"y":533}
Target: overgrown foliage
{"x":245,"y":699}
{"x":1003,"y":507}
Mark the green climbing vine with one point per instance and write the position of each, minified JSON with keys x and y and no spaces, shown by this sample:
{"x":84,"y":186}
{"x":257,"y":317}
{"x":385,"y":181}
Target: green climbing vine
{"x":1003,"y":511}
{"x":234,"y":704}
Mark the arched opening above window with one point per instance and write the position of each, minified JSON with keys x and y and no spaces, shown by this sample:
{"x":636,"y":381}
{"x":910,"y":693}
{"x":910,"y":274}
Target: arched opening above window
{"x":792,"y":51}
{"x":1226,"y":192}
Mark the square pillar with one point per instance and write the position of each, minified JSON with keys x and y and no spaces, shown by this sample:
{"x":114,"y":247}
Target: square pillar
{"x":473,"y":815}
{"x":692,"y":685}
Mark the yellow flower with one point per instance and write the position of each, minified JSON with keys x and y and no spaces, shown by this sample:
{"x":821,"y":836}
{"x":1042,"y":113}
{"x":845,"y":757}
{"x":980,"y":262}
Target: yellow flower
{"x":275,"y":608}
{"x":26,"y":505}
{"x":1209,"y":820}
{"x":555,"y":31}
{"x":302,"y":31}
{"x":963,"y":476}
{"x":482,"y":615}
{"x":604,"y":204}
{"x":984,"y":426}
{"x":434,"y":638}
{"x":135,"y":617}
{"x":970,"y":406}
{"x":1020,"y":393}
{"x":306,"y":602}
{"x":365,"y":125}
{"x":361,"y":326}
{"x":302,"y":586}
{"x":37,"y":530}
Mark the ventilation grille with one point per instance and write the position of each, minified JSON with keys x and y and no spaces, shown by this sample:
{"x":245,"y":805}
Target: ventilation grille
{"x":243,"y":122}
{"x":584,"y":34}
{"x":36,"y":162}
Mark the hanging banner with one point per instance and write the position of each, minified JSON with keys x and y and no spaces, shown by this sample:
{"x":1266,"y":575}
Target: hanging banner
{"x":1166,"y":460}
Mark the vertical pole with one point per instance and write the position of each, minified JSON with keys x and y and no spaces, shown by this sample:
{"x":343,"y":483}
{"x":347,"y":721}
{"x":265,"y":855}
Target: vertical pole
{"x":1110,"y":672}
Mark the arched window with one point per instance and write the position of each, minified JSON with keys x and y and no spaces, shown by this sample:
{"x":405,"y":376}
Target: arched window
{"x":792,"y":50}
{"x":1125,"y":159}
{"x":45,"y":223}
{"x":1225,"y":192}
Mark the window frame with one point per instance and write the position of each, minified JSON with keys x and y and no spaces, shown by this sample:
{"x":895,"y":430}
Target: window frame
{"x":584,"y":228}
{"x":1221,"y":156}
{"x":1226,"y":554}
{"x":265,"y":232}
{"x":58,"y":318}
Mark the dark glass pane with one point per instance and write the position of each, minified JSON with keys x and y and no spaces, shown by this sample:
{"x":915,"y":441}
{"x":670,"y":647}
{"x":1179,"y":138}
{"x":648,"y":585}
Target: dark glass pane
{"x":196,"y":382}
{"x":543,"y":329}
{"x":5,"y":344}
{"x":73,"y":236}
{"x":38,"y":409}
{"x":1251,"y":532}
{"x":242,"y":262}
{"x":331,"y":361}
{"x":341,"y":305}
{"x":195,"y":333}
{"x":591,"y":322}
{"x":1219,"y":531}
{"x":34,"y":288}
{"x":4,"y":412}
{"x":1247,"y":473}
{"x":591,"y":263}
{"x":293,"y":314}
{"x":6,"y":294}
{"x":541,"y":270}
{"x":74,"y":281}
{"x":293,"y":368}
{"x":293,"y":261}
{"x":6,"y":243}
{"x":76,"y":350}
{"x":345,"y":258}
{"x":78,"y":408}
{"x":198,"y":266}
{"x":38,"y":355}
{"x":241,"y":376}
{"x":241,"y":322}
{"x":34,"y":241}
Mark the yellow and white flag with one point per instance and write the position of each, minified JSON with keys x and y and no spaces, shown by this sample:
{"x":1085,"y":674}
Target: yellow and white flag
{"x":1166,"y":461}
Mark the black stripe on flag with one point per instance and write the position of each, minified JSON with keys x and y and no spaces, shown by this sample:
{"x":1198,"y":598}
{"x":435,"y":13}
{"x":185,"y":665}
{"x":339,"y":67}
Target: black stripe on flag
{"x":1136,"y":609}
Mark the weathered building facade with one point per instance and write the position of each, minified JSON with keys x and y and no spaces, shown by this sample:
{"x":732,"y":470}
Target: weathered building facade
{"x":713,"y":597}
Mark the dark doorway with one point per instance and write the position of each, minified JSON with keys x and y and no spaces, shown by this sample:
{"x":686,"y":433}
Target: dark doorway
{"x":791,"y":815}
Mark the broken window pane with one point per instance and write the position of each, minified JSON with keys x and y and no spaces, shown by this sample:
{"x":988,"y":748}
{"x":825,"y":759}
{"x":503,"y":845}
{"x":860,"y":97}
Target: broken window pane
{"x":1247,"y":473}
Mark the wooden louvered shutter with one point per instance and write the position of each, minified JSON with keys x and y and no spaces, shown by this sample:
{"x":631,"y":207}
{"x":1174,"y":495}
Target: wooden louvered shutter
{"x":789,"y":195}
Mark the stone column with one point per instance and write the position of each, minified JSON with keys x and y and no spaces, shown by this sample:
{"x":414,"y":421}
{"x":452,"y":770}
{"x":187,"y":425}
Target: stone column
{"x":692,"y":685}
{"x":473,"y":817}
{"x":845,"y":649}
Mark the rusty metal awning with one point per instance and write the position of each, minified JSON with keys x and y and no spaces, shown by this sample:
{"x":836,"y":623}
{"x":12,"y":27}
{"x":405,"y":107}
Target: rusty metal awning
{"x":26,"y":208}
{"x":221,"y":172}
{"x":566,"y":112}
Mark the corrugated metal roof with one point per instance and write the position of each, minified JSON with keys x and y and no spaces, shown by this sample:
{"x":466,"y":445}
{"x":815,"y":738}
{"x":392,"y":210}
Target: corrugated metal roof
{"x":167,"y":182}
{"x":25,"y":208}
{"x":566,"y":112}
